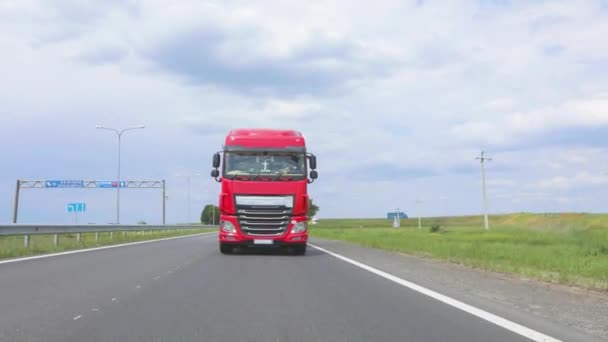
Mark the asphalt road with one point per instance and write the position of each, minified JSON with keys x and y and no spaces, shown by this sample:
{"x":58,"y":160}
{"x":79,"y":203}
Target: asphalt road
{"x":185,"y":290}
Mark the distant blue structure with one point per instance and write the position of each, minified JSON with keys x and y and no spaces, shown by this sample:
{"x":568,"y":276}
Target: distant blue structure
{"x":391,"y":216}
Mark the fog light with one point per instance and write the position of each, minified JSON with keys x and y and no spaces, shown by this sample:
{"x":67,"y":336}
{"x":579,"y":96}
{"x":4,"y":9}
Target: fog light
{"x":227,"y":227}
{"x":299,"y":227}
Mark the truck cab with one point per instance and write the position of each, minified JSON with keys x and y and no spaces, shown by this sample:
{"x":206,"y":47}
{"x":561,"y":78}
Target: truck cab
{"x":264,"y":176}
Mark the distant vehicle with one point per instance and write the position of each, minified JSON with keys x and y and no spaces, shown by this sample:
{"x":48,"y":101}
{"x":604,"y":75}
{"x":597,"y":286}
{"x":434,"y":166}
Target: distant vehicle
{"x":264,"y":199}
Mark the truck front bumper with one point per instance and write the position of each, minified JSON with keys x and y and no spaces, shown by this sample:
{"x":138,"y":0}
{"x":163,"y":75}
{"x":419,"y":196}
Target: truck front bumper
{"x":238,"y":238}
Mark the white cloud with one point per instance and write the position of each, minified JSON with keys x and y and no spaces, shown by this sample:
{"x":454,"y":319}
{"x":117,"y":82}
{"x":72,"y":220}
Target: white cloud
{"x":580,"y":179}
{"x":513,"y":126}
{"x":393,"y":97}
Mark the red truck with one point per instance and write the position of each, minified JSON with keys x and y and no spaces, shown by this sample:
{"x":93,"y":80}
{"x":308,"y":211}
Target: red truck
{"x":264,"y":198}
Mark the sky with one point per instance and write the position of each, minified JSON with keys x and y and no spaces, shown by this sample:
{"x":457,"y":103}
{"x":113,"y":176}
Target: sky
{"x":396,"y":99}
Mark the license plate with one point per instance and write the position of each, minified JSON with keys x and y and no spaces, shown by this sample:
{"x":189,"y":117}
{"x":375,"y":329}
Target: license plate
{"x":262,"y":242}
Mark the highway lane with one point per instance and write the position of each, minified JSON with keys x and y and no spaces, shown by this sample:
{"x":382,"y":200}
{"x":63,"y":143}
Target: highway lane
{"x":39,"y":298}
{"x":184,"y":290}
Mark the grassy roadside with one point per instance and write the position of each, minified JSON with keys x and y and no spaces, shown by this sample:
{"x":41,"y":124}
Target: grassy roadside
{"x":12,"y":246}
{"x":564,"y":248}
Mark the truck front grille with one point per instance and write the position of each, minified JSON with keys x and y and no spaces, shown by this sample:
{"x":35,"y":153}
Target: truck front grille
{"x":263,"y":220}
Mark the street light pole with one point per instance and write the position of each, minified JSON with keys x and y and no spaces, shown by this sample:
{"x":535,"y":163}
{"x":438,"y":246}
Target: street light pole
{"x":118,"y":180}
{"x":119,"y":134}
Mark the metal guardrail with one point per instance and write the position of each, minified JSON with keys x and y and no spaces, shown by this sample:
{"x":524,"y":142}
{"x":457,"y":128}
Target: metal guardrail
{"x":26,"y":230}
{"x":22,"y":229}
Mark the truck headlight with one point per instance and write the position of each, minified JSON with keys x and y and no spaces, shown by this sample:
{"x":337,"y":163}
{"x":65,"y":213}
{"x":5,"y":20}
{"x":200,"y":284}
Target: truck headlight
{"x":299,"y":227}
{"x":227,"y":227}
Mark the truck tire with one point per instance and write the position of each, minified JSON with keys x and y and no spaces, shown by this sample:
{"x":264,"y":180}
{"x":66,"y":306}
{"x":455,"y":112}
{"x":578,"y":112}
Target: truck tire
{"x":226,"y":249}
{"x":299,"y":249}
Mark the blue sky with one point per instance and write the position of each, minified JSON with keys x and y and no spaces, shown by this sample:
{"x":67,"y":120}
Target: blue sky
{"x":396,"y":98}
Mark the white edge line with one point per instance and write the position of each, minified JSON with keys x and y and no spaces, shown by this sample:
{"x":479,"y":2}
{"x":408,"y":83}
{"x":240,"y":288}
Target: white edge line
{"x":502,"y":322}
{"x":77,"y":317}
{"x":99,"y":248}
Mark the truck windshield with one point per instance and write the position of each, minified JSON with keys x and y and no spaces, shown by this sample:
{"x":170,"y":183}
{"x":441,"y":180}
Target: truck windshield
{"x":253,"y":165}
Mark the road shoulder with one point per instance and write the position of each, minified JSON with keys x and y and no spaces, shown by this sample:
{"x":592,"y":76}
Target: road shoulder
{"x":553,"y":309}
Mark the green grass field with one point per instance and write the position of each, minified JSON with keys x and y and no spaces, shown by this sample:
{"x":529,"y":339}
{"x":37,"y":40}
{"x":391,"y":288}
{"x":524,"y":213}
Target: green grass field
{"x":563,"y":248}
{"x":12,"y":246}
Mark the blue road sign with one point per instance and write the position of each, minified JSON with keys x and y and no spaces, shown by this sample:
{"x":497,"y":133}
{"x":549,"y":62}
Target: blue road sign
{"x":64,"y":184}
{"x":391,"y":216}
{"x":111,"y":184}
{"x":77,"y":207}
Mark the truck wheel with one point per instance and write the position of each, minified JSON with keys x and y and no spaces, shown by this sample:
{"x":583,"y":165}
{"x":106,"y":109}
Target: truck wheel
{"x":299,"y":250}
{"x":226,"y":249}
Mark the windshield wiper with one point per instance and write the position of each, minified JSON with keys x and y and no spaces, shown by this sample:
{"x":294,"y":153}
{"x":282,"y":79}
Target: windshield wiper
{"x":279,"y":175}
{"x":236,"y":174}
{"x":287,"y":175}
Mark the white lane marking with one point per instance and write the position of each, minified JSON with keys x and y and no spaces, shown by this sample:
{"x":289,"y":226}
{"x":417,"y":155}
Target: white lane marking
{"x":95,"y":309}
{"x":100,"y":248}
{"x":114,"y":299}
{"x":77,"y":317}
{"x":157,"y":277}
{"x":138,"y":287}
{"x":501,"y":322}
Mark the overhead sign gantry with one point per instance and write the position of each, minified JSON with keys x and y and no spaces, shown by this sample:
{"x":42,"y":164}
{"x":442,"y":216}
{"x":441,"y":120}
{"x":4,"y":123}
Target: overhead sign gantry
{"x":87,"y":184}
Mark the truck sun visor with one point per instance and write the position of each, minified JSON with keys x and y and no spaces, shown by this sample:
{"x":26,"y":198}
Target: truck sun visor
{"x":286,"y":201}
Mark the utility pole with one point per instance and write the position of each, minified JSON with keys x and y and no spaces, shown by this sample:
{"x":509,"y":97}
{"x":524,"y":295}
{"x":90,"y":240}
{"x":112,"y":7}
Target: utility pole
{"x":483,"y":160}
{"x":188,"y":193}
{"x":164,"y":202}
{"x":189,"y":181}
{"x":419,"y":202}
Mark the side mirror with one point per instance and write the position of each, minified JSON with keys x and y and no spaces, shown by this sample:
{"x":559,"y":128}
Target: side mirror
{"x":216,"y":160}
{"x":314,"y":174}
{"x":313,"y":161}
{"x":215,"y":173}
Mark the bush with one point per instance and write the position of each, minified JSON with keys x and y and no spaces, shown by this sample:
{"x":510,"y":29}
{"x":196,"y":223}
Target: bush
{"x":435,"y":228}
